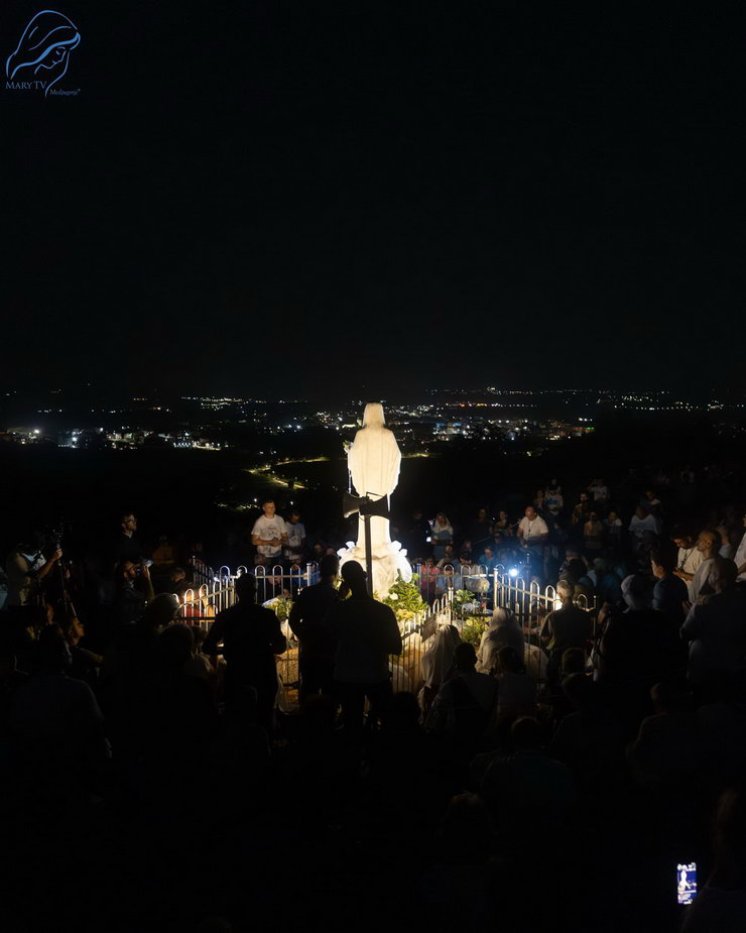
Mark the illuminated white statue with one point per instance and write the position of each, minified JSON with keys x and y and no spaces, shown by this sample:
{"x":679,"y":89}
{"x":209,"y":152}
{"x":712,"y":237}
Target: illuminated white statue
{"x":373,"y":461}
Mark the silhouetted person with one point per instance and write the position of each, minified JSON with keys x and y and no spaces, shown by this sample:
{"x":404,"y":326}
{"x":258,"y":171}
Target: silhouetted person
{"x":251,"y":638}
{"x":416,"y":536}
{"x":311,"y":626}
{"x":634,"y":651}
{"x":178,"y":582}
{"x":666,"y":751}
{"x":568,"y":627}
{"x":181,"y":719}
{"x":128,"y":672}
{"x":721,"y":904}
{"x":134,"y":589}
{"x":57,"y":725}
{"x":367,"y":633}
{"x":716,"y":628}
{"x":127,"y":545}
{"x":465,"y":702}
{"x":480,"y":531}
{"x":528,"y":791}
{"x":516,"y":690}
{"x":503,"y":631}
{"x":85,"y":665}
{"x":670,"y":591}
{"x":587,"y":739}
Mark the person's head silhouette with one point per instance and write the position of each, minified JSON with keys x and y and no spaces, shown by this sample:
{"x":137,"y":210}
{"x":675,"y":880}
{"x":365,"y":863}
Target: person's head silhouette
{"x":44,"y":48}
{"x":355,"y":577}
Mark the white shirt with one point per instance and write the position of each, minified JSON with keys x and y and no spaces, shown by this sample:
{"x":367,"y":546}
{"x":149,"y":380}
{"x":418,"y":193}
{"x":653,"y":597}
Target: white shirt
{"x":266,"y":528}
{"x":641,"y":526}
{"x":532,"y":529}
{"x":701,"y":578}
{"x":296,"y":533}
{"x":689,"y":559}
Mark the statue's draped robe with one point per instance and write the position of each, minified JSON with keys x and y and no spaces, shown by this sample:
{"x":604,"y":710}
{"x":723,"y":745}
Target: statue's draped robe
{"x":374,"y":461}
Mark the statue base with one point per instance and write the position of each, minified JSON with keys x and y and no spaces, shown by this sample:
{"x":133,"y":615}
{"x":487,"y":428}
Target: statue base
{"x":389,"y":563}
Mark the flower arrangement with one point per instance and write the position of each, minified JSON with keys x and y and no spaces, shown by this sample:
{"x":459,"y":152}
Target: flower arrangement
{"x":465,"y":603}
{"x":472,"y":630}
{"x":462,"y":596}
{"x":405,"y":599}
{"x":281,"y":606}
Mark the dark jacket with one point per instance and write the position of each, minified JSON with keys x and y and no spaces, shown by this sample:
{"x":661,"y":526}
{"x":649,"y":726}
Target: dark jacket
{"x":367,"y":633}
{"x":251,"y":637}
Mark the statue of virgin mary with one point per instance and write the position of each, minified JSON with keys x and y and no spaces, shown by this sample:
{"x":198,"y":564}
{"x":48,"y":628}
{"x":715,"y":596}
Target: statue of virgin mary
{"x":373,"y":461}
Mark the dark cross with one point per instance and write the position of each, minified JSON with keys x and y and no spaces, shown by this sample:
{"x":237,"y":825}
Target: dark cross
{"x":366,"y":507}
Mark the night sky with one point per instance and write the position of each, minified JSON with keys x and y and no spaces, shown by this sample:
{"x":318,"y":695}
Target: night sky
{"x":279,"y":199}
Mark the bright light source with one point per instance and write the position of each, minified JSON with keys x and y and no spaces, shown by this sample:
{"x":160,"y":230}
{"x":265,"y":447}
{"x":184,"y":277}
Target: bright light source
{"x":513,"y":572}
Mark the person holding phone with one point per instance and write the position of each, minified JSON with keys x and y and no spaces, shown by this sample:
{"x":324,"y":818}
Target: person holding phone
{"x":721,"y":904}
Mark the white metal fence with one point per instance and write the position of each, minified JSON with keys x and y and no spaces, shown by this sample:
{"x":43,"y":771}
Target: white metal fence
{"x":463,"y":597}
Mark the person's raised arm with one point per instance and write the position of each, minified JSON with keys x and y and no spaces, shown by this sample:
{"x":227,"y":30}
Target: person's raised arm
{"x":49,"y":565}
{"x":147,"y":583}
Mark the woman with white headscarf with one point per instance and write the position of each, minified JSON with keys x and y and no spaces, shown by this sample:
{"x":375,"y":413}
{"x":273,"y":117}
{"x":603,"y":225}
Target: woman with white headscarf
{"x":504,"y":632}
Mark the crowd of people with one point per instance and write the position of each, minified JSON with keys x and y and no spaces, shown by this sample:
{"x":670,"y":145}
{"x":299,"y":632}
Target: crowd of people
{"x":149,"y":781}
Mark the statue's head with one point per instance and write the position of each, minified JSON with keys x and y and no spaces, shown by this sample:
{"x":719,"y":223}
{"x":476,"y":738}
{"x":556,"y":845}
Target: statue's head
{"x":373,"y":415}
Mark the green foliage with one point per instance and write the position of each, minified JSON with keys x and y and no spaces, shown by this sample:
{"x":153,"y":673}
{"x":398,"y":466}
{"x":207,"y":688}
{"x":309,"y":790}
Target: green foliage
{"x":405,"y":599}
{"x":473,"y":629}
{"x":462,"y":596}
{"x":281,"y":606}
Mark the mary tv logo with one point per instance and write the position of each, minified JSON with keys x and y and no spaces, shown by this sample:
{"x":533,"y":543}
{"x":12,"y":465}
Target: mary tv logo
{"x":42,"y":56}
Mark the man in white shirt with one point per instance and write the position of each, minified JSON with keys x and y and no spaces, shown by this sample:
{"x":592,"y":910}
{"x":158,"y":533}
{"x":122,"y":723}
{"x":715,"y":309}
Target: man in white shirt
{"x":533,"y":533}
{"x":643,"y":523}
{"x":532,"y":529}
{"x":689,"y":556}
{"x":708,"y":543}
{"x":269,"y":534}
